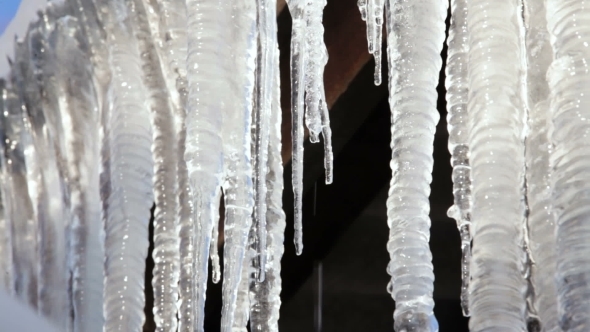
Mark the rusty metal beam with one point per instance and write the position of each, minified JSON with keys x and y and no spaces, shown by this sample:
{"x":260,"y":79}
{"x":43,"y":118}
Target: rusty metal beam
{"x":280,"y":5}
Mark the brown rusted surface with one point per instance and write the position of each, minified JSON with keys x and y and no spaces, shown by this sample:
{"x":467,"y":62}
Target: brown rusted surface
{"x":280,"y":5}
{"x":345,"y":37}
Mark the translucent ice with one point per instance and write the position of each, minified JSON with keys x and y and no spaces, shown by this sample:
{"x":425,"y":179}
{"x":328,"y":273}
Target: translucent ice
{"x":414,"y":65}
{"x":496,"y":143}
{"x":569,"y":27}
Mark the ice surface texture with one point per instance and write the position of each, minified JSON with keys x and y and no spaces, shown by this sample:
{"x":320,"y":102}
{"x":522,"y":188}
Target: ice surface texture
{"x":414,"y":65}
{"x":496,"y":143}
{"x":569,"y":24}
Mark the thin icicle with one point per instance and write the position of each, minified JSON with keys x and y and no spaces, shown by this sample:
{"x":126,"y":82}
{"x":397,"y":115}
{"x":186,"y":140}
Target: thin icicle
{"x":208,"y":76}
{"x":497,"y":287}
{"x":214,"y":254}
{"x":242,"y":313}
{"x":458,"y":127}
{"x":316,"y":110}
{"x":186,"y":232}
{"x":6,"y":275}
{"x":415,"y":38}
{"x":129,"y":194}
{"x":6,"y":221}
{"x":166,"y":257}
{"x":238,"y":187}
{"x":265,"y":69}
{"x":308,"y":58}
{"x":297,"y":10}
{"x":316,"y":57}
{"x":372,"y":13}
{"x":265,"y":296}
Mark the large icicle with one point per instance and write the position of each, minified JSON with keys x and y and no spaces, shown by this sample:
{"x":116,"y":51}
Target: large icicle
{"x":166,"y":255}
{"x":47,"y":190}
{"x":265,"y":300}
{"x":496,"y":112}
{"x":130,"y":166}
{"x":458,"y":127}
{"x":372,"y":13}
{"x":415,"y":37}
{"x":208,"y":75}
{"x":73,"y":117}
{"x":541,"y":224}
{"x":569,"y":78}
{"x":308,"y":58}
{"x":238,"y":187}
{"x":172,"y":46}
{"x":17,"y":144}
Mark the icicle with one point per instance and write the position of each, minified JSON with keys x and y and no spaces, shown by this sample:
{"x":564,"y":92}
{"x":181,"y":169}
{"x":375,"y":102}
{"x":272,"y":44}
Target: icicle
{"x":208,"y":77}
{"x":372,"y":13}
{"x":216,"y":268}
{"x":6,"y":279}
{"x":17,"y":144}
{"x":308,"y":58}
{"x":171,"y":44}
{"x":186,"y":230}
{"x":414,"y":65}
{"x":540,"y":221}
{"x":238,"y":187}
{"x":297,"y":109}
{"x":130,"y":172}
{"x":6,"y":224}
{"x":88,"y":14}
{"x":265,"y":296}
{"x":46,"y":190}
{"x":165,"y":254}
{"x":265,"y":69}
{"x":316,"y":57}
{"x":569,"y":27}
{"x":458,"y":127}
{"x":73,"y":119}
{"x":497,"y":287}
{"x":242,"y":313}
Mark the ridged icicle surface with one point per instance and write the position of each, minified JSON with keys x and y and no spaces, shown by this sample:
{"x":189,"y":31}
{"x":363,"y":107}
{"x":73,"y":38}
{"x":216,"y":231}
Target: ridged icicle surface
{"x":496,"y":143}
{"x":414,"y":65}
{"x":458,"y":127}
{"x":569,"y":27}
{"x":541,"y":224}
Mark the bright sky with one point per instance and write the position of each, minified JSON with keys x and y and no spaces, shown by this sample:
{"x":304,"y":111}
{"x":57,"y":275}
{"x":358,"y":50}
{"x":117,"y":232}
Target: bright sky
{"x":15,"y":16}
{"x":7,"y":10}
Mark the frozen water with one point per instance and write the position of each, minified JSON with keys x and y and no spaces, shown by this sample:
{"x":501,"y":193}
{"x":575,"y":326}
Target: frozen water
{"x":112,"y":106}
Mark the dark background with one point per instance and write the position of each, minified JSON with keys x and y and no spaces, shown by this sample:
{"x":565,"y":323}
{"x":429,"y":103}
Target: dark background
{"x":339,"y":282}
